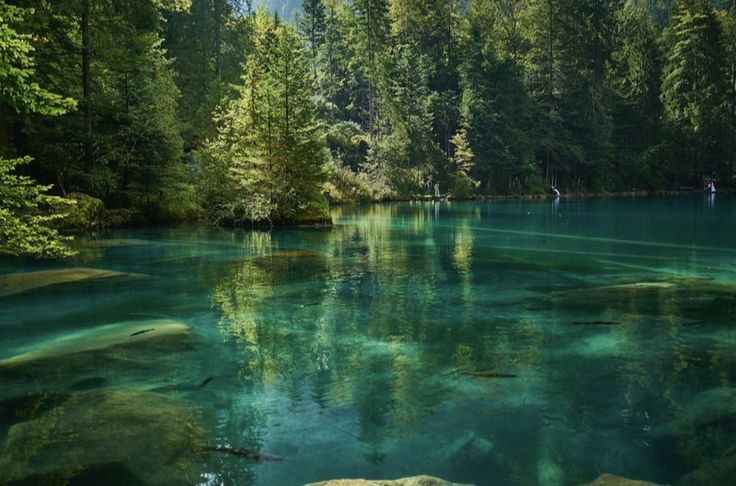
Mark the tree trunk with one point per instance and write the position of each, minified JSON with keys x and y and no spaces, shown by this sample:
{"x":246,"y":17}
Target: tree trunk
{"x":3,"y":131}
{"x":218,"y":38}
{"x":86,"y":88}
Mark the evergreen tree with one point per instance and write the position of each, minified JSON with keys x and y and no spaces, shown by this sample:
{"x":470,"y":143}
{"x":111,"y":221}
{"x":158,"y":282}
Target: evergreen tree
{"x":494,"y":108}
{"x":268,"y":150}
{"x":312,"y":24}
{"x":694,"y":85}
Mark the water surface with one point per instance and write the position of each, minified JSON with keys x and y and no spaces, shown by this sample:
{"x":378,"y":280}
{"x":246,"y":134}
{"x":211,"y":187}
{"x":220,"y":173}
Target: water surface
{"x":511,"y":342}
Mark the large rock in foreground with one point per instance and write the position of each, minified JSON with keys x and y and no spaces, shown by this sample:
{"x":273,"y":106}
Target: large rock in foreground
{"x":412,"y":481}
{"x":152,"y":436}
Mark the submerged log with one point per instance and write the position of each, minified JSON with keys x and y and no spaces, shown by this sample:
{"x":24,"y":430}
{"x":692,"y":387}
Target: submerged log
{"x":246,"y":453}
{"x":488,"y":374}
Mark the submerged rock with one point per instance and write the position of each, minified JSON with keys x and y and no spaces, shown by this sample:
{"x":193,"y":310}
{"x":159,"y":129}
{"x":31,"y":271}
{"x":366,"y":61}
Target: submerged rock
{"x":18,"y":283}
{"x":466,"y":447}
{"x":150,"y":436}
{"x":412,"y":481}
{"x":611,"y":480}
{"x":719,"y":471}
{"x":688,"y":297}
{"x":100,"y":339}
{"x":706,"y":425}
{"x":711,"y":408}
{"x":285,"y":255}
{"x":114,"y":243}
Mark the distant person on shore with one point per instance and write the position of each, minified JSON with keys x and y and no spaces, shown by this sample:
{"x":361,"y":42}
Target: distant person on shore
{"x":437,"y":190}
{"x":711,"y":187}
{"x":555,"y":192}
{"x":427,"y":186}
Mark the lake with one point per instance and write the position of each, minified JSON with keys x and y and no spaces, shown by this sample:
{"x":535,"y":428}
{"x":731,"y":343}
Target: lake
{"x":506,"y":342}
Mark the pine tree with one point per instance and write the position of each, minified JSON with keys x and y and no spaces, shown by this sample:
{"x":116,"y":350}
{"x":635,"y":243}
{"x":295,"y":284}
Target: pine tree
{"x":693,"y":83}
{"x":312,"y":24}
{"x":268,"y":138}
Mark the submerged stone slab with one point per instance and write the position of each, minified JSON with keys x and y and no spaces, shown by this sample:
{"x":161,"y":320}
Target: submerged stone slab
{"x":98,"y":339}
{"x":150,"y":435}
{"x":411,"y":481}
{"x":115,"y":243}
{"x":716,"y":472}
{"x":18,"y":283}
{"x":611,"y":480}
{"x":710,"y":408}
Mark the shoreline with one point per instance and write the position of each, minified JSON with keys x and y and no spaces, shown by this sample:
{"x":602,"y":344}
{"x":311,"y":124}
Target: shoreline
{"x":531,"y":197}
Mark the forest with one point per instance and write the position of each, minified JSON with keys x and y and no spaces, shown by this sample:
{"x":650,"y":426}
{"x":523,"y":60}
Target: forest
{"x":228,"y":111}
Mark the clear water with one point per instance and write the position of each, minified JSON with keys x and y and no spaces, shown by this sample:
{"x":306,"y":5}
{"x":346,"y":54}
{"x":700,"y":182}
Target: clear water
{"x":350,"y":351}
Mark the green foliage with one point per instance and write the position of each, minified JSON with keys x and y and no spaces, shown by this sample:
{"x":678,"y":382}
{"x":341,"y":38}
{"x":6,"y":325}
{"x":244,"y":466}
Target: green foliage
{"x":24,"y":217}
{"x":694,"y":83}
{"x":17,"y":70}
{"x":204,"y":107}
{"x":24,"y":227}
{"x":462,"y":184}
{"x":693,"y":77}
{"x":268,"y":139}
{"x":83,"y":213}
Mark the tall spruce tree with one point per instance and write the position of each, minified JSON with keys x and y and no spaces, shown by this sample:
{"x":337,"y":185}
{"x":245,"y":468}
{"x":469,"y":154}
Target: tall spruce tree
{"x":694,"y":86}
{"x":268,"y":146}
{"x":312,"y":25}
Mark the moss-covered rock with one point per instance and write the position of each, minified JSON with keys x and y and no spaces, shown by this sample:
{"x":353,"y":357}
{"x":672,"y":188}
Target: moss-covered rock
{"x":84,"y":215}
{"x":717,"y":471}
{"x":148,"y":435}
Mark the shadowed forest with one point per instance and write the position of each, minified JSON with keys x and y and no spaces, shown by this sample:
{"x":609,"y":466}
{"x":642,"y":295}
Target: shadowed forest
{"x":240,"y":112}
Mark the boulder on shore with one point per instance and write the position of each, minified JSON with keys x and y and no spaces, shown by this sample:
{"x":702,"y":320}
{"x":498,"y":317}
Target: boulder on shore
{"x":84,"y":215}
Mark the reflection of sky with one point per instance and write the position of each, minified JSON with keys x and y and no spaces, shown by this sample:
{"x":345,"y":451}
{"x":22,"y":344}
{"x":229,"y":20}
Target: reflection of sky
{"x":350,"y":351}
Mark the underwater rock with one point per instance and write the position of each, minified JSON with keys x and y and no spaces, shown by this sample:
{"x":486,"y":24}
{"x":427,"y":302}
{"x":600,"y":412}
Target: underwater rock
{"x":114,"y":243}
{"x":711,"y":408}
{"x":611,"y":480}
{"x":29,"y":406}
{"x":706,"y":425}
{"x":99,"y":339}
{"x":719,"y":471}
{"x":466,"y":447}
{"x":151,"y":436}
{"x":18,"y":283}
{"x":90,"y":383}
{"x":111,"y":474}
{"x":286,"y":254}
{"x":412,"y":481}
{"x":691,"y":298}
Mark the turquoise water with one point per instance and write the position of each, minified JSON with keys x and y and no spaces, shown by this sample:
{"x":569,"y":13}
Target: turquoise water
{"x":511,"y":342}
